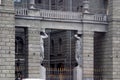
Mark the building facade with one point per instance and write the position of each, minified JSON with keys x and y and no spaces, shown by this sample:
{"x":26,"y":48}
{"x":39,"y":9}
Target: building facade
{"x":97,"y":21}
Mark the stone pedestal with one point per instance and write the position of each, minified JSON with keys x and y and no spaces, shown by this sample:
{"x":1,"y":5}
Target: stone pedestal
{"x":0,"y":1}
{"x":77,"y":73}
{"x":42,"y":72}
{"x":86,"y":6}
{"x":32,"y":4}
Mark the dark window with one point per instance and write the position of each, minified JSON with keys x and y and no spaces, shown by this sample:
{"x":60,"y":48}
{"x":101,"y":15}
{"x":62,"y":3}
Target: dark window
{"x":21,"y":56}
{"x":19,"y":45}
{"x":52,"y":47}
{"x":60,"y":46}
{"x":52,"y":2}
{"x":53,"y":5}
{"x":17,"y":0}
{"x":60,"y":65}
{"x":60,"y":1}
{"x":38,"y":1}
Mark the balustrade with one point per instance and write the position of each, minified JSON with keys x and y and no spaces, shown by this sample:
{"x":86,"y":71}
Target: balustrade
{"x":61,"y":15}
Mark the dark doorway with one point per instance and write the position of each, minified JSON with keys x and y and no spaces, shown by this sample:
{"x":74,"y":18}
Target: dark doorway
{"x":59,"y":54}
{"x":21,"y":53}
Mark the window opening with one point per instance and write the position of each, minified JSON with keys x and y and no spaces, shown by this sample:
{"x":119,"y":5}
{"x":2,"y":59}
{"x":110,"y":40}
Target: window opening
{"x":21,"y":55}
{"x":52,"y":47}
{"x":38,"y":1}
{"x":17,"y":0}
{"x":19,"y":45}
{"x":60,"y":47}
{"x":53,"y":4}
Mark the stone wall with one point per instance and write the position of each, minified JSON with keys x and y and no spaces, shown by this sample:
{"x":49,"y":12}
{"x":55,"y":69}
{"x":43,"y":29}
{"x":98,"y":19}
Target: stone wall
{"x":116,"y":50}
{"x":7,"y":6}
{"x":88,"y":55}
{"x":97,"y":6}
{"x":7,"y":40}
{"x":7,"y":54}
{"x":114,"y":34}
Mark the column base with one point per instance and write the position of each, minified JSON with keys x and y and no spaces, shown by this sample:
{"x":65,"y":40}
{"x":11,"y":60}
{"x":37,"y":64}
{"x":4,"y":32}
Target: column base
{"x":77,"y":73}
{"x":32,"y":7}
{"x":42,"y":72}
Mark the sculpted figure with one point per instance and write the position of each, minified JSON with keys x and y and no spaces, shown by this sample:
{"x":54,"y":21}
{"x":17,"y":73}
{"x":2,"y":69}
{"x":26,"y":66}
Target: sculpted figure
{"x":78,"y":49}
{"x":43,"y":35}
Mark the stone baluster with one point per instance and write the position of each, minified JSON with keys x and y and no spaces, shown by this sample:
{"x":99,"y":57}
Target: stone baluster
{"x":86,"y":6}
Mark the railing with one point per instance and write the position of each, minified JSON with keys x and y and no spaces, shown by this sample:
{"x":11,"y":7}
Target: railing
{"x":21,"y":11}
{"x":100,"y":17}
{"x":59,"y":74}
{"x":61,"y":15}
{"x":48,"y":14}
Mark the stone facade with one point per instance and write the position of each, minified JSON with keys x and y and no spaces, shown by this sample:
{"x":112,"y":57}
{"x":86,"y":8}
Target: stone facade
{"x":100,"y":37}
{"x":7,"y":41}
{"x":113,"y":28}
{"x":7,"y":54}
{"x":88,"y":55}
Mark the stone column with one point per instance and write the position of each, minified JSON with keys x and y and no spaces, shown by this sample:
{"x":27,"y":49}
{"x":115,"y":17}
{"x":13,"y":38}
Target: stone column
{"x":33,"y":53}
{"x":35,"y":69}
{"x":32,"y":4}
{"x":88,"y":55}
